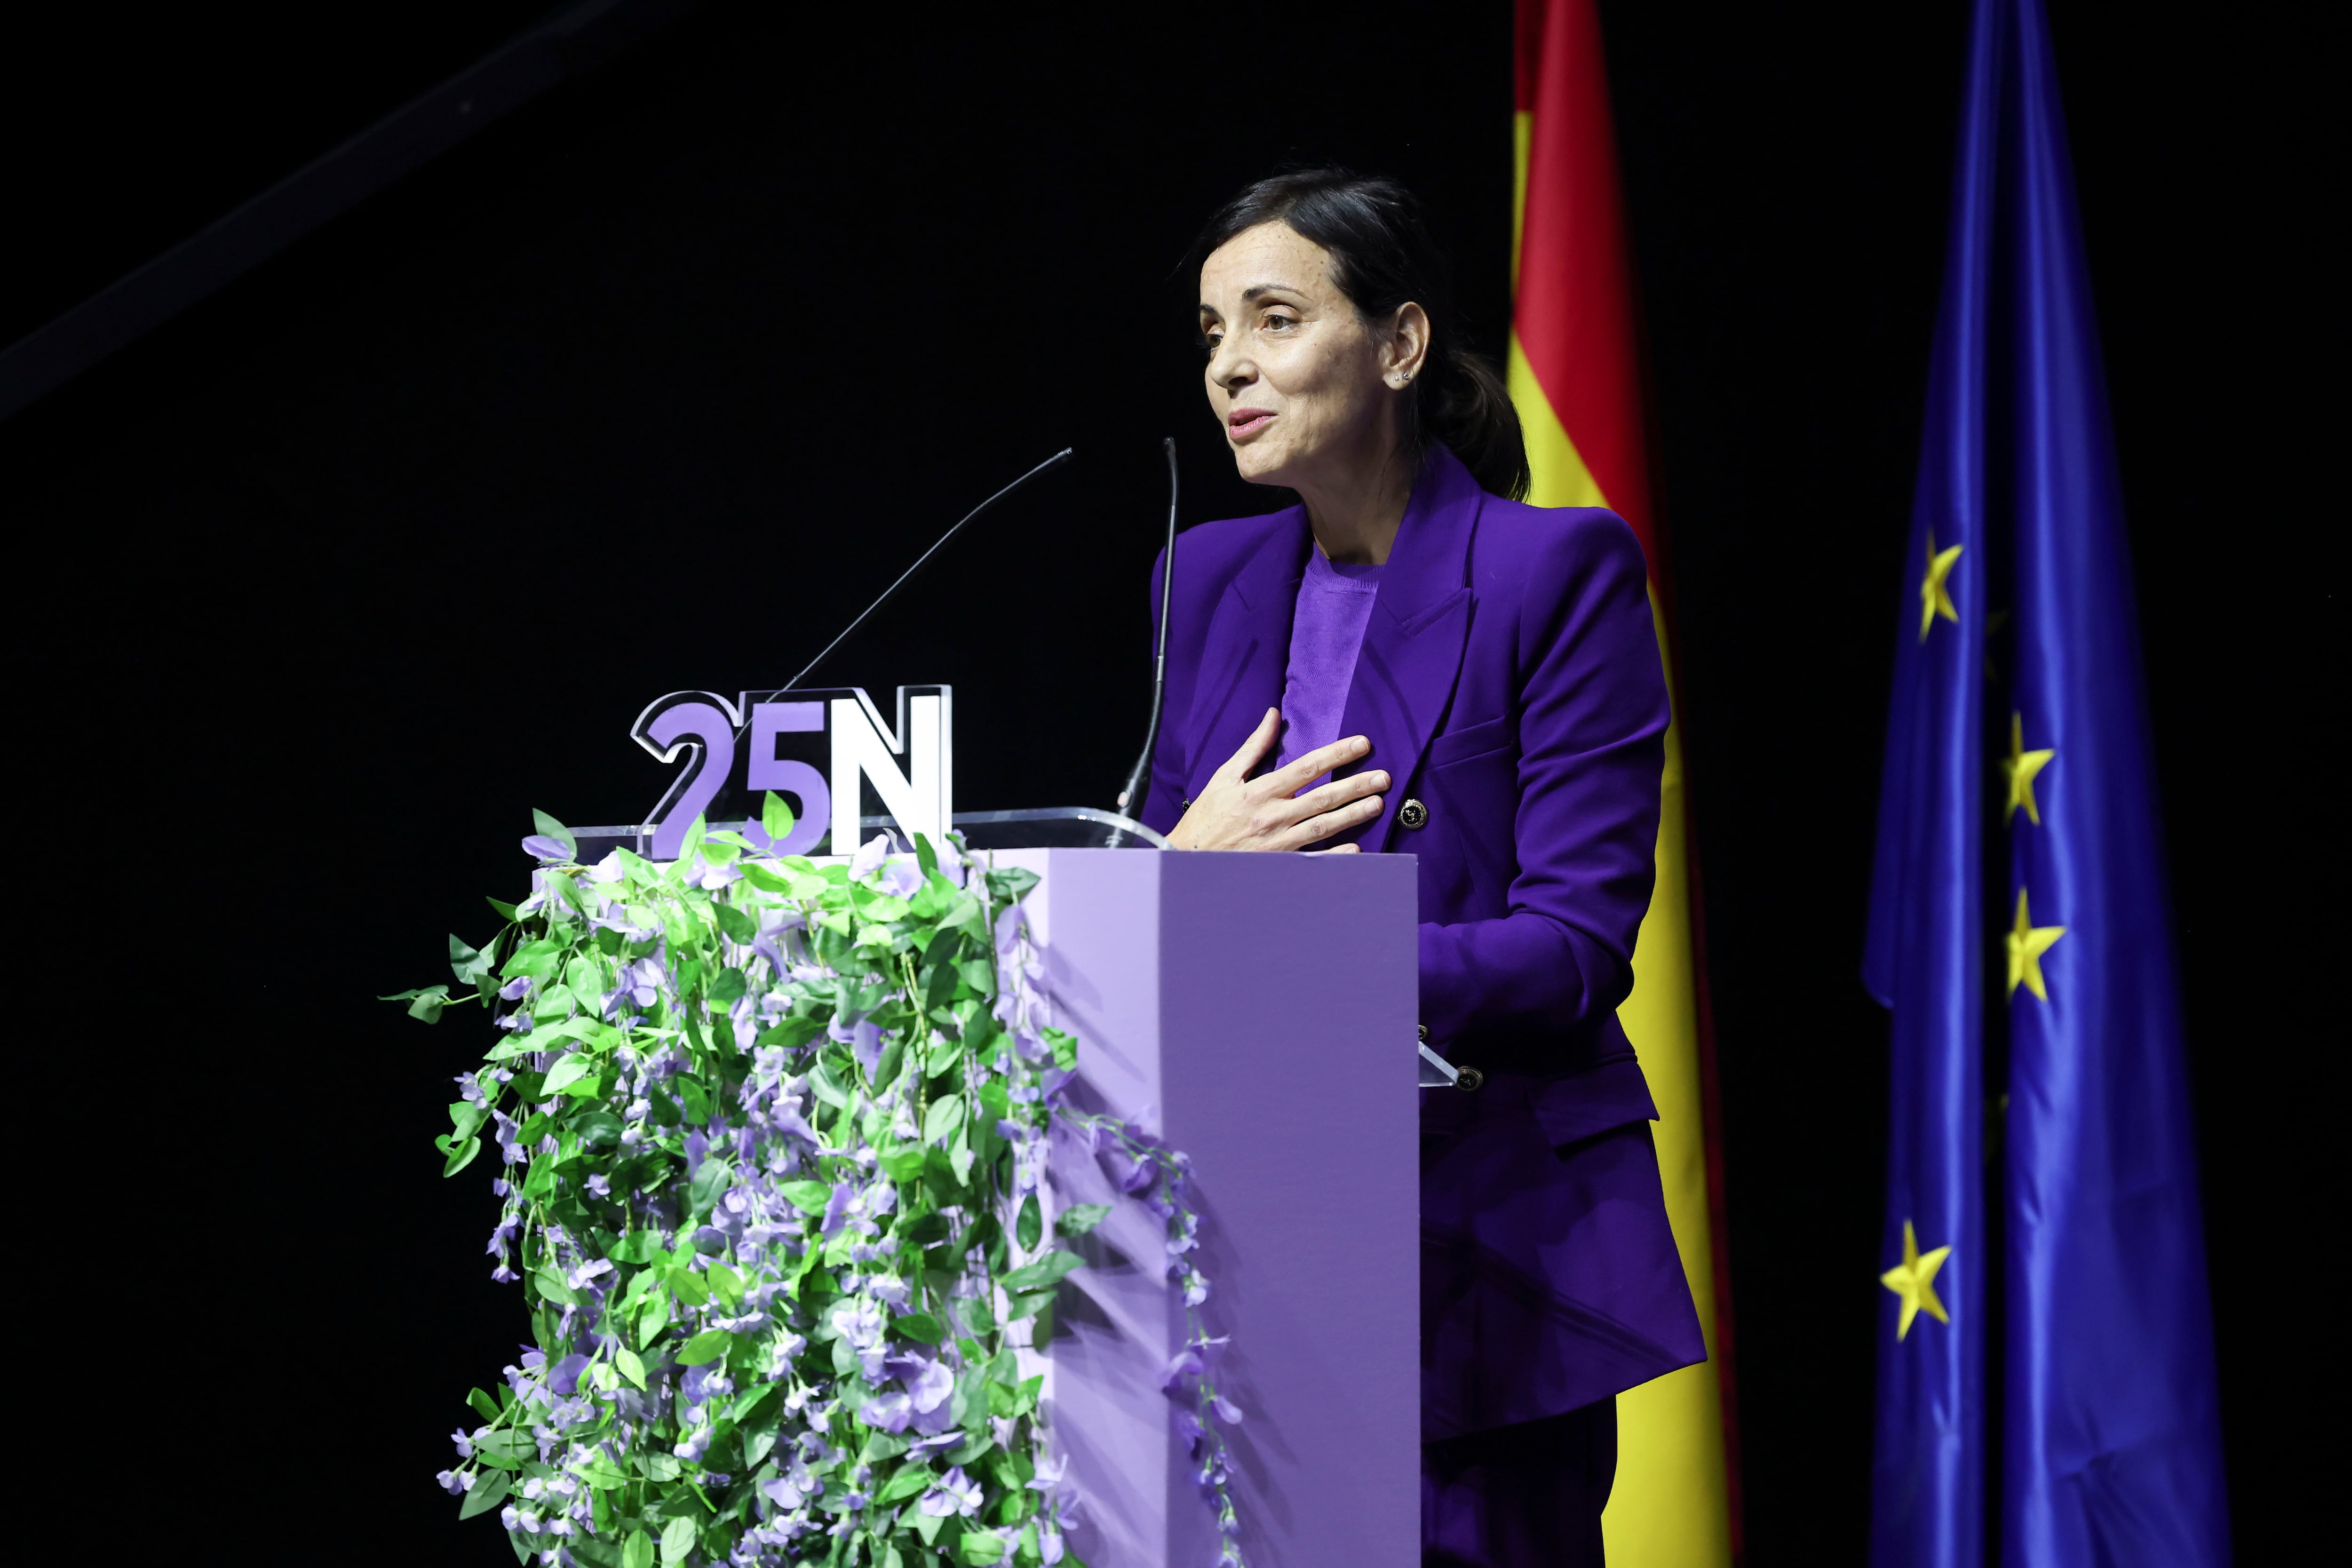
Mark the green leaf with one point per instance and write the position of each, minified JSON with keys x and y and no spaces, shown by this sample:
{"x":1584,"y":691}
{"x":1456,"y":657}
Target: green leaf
{"x":597,"y":1129}
{"x":604,"y":1475}
{"x":507,"y":1445}
{"x":627,"y":1363}
{"x":638,"y":1552}
{"x":767,"y":881}
{"x":461,"y":1154}
{"x":1065,"y":1048}
{"x":826,"y":1086}
{"x":981,"y":1547}
{"x":712,"y":1180}
{"x":750,"y":1400}
{"x":945,"y":1053}
{"x":1042,"y":1273}
{"x":556,"y":831}
{"x":425,"y":1005}
{"x":652,"y":1319}
{"x":921,"y":1230}
{"x":809,"y":1198}
{"x":690,"y":1287}
{"x":695,"y":832}
{"x":1079,"y":1219}
{"x":775,"y":816}
{"x":552,"y":1288}
{"x":941,"y":1120}
{"x":910,"y":1480}
{"x":483,"y":1402}
{"x":677,"y":1535}
{"x":504,"y":910}
{"x":1019,"y":1306}
{"x":1012,"y":885}
{"x":919,"y":1326}
{"x":568,"y":1071}
{"x":465,"y":1116}
{"x":488,"y":1490}
{"x":1030,"y":1229}
{"x":707,"y":1346}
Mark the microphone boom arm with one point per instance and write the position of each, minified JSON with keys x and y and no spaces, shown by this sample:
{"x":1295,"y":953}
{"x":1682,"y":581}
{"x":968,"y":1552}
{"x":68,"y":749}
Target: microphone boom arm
{"x":1139,"y":778}
{"x":1056,"y":461}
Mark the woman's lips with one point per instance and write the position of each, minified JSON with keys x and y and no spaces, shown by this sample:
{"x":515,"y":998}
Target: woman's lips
{"x":1243,"y":423}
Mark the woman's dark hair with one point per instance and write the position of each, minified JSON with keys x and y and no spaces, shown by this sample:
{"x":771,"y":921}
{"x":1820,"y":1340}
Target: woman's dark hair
{"x":1381,"y":258}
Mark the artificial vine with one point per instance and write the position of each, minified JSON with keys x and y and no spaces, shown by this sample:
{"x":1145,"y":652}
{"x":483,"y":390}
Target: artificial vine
{"x":772,"y":1142}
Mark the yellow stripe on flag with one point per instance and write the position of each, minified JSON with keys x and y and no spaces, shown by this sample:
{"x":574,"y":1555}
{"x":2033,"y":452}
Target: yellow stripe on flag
{"x":1669,"y":1507}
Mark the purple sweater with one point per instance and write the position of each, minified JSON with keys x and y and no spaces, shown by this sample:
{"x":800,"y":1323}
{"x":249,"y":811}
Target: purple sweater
{"x":1326,"y":629}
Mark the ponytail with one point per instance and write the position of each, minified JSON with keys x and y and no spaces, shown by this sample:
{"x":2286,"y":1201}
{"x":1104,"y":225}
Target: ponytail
{"x":1383,"y":259}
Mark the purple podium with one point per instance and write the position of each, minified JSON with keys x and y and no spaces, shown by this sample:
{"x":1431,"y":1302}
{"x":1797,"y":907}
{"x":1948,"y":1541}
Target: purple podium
{"x":1258,"y":1011}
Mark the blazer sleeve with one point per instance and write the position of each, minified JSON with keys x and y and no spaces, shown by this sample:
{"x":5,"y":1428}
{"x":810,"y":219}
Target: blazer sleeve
{"x":1592,"y":723}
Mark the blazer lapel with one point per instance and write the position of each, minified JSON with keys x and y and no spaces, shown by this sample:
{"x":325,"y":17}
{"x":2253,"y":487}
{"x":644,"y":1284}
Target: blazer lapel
{"x":1248,"y":650}
{"x":1413,"y":643}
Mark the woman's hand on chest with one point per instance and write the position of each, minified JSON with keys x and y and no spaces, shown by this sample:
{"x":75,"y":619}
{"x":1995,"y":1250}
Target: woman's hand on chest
{"x":1234,"y":810}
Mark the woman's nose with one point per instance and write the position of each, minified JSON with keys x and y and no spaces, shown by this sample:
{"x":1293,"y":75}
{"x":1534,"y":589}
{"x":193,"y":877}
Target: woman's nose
{"x":1230,"y":368}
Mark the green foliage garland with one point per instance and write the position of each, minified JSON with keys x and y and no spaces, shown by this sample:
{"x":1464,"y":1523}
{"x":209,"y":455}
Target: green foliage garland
{"x":773,"y":1138}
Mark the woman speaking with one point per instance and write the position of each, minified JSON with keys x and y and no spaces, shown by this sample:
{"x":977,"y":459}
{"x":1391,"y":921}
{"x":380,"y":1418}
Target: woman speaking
{"x":1410,"y":659}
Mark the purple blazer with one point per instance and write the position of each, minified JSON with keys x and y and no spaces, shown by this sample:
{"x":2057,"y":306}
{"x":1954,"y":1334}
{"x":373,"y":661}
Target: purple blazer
{"x":1509,"y":681}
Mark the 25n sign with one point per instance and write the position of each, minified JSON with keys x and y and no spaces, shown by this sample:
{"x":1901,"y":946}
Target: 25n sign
{"x":827,"y":752}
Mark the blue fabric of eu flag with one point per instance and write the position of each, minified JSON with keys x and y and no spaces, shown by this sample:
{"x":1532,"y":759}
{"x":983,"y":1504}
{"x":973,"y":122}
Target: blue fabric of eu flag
{"x":2039,"y":910}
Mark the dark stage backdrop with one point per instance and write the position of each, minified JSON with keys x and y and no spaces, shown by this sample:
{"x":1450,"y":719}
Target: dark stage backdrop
{"x":318,"y":589}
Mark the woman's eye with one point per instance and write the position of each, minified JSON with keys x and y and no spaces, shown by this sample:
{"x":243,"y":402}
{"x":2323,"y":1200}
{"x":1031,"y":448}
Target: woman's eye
{"x":1278,"y":322}
{"x":1211,"y":340}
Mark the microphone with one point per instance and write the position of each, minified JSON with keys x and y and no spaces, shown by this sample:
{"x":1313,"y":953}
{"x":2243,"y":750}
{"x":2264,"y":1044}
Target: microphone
{"x":1055,"y":461}
{"x":1139,"y":778}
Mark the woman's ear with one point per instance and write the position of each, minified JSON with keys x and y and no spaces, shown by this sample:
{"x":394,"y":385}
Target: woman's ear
{"x":1407,"y":347}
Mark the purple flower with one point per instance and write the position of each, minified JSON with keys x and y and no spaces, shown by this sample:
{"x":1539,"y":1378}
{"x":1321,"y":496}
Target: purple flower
{"x":710,"y":877}
{"x":465,"y":1444}
{"x":863,"y":1038}
{"x":455,"y":1483}
{"x":889,"y":1411}
{"x":956,"y":1493}
{"x":869,"y":857}
{"x":930,"y":1385}
{"x":837,"y":1207}
{"x":1196,"y":1360}
{"x":549,"y":851}
{"x":581,"y":1277}
{"x":607,"y":871}
{"x":565,"y":1379}
{"x":901,"y":878}
{"x":600,"y":1184}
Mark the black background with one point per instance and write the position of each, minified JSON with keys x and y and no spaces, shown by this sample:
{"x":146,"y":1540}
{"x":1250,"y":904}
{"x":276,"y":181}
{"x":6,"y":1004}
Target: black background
{"x":321,"y":586}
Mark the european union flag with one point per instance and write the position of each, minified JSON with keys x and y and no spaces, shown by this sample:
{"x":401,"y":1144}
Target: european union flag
{"x":2018,"y":829}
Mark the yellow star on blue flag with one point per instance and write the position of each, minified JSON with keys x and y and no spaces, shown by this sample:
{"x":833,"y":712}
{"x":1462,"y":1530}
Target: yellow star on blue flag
{"x":1914,"y":1280}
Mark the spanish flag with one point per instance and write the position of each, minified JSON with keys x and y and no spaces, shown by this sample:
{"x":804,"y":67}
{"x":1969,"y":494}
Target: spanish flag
{"x":1575,"y":375}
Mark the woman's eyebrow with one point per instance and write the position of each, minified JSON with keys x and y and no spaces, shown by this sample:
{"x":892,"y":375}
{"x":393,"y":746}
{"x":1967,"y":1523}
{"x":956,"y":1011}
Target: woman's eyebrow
{"x":1254,"y":290}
